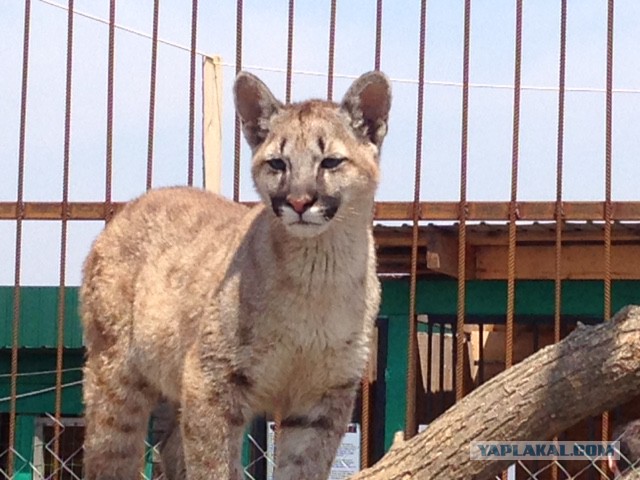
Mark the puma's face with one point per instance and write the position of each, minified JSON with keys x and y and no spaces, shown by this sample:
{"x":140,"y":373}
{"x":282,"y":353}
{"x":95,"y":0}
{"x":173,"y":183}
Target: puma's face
{"x":316,"y":162}
{"x":312,"y":168}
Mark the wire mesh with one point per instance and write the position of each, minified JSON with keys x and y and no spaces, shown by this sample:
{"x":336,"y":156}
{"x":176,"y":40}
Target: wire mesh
{"x":68,"y":464}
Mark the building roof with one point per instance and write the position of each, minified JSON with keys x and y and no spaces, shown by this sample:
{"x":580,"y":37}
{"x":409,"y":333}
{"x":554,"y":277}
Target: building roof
{"x":582,"y":250}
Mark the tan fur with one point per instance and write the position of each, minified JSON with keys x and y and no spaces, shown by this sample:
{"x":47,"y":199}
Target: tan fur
{"x":230,"y":312}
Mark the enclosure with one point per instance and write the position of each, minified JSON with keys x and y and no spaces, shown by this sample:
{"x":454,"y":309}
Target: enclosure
{"x":508,"y":210}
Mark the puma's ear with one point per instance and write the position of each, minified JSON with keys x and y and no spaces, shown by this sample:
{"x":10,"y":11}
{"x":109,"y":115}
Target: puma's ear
{"x":255,"y":105}
{"x":368,"y":101}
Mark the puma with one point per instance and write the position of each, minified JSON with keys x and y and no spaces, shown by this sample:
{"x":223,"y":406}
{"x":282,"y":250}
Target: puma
{"x":228,"y":312}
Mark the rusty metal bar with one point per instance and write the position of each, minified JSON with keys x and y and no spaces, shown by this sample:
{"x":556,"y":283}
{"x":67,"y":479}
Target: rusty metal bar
{"x":559,"y":168}
{"x":462,"y":226}
{"x":192,"y":92}
{"x":557,"y":320}
{"x":152,"y":92}
{"x":15,"y":323}
{"x":481,"y":353}
{"x":378,"y":34}
{"x":397,"y":211}
{"x":110,"y":85}
{"x":63,"y":243}
{"x":608,"y":207}
{"x":511,"y":260}
{"x":332,"y":49}
{"x":514,"y":190}
{"x":608,"y":161}
{"x":236,"y":130}
{"x":441,"y":371}
{"x":366,"y":419}
{"x":287,"y":100}
{"x":412,"y":357}
{"x":290,"y":50}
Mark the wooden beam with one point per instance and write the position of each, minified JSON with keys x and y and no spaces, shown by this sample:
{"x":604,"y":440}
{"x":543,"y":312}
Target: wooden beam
{"x":499,"y":235}
{"x":212,"y":122}
{"x":394,"y":260}
{"x":442,"y":253}
{"x":579,"y":262}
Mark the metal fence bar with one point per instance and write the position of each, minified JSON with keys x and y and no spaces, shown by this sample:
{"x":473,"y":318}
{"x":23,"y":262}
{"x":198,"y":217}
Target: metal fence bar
{"x":392,"y":211}
{"x":237,"y":146}
{"x":63,"y":241}
{"x":15,"y":324}
{"x":559,"y":214}
{"x":108,"y":209}
{"x":332,"y":49}
{"x":379,"y":11}
{"x":608,"y":162}
{"x":481,"y":353}
{"x":366,"y":418}
{"x":557,"y":318}
{"x":152,"y":92}
{"x":412,"y":356}
{"x":441,"y":370}
{"x":192,"y":92}
{"x":462,"y":226}
{"x":290,"y":25}
{"x":607,"y":209}
{"x":366,"y":394}
{"x":513,"y":210}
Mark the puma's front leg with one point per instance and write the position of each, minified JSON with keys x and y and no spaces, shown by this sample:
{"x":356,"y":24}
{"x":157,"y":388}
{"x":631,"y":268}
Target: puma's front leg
{"x":308,"y":441}
{"x":212,"y":425}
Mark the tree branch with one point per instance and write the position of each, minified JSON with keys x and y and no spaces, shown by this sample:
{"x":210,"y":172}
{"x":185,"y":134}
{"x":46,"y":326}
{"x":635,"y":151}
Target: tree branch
{"x":591,"y":370}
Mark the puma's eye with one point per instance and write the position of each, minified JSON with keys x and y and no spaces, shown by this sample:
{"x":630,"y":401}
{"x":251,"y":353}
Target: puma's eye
{"x":331,"y":162}
{"x":277,"y":164}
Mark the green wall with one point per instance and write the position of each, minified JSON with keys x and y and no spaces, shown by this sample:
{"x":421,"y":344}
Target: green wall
{"x":534,"y":301}
{"x":485,"y":300}
{"x":39,"y":317}
{"x":30,"y":361}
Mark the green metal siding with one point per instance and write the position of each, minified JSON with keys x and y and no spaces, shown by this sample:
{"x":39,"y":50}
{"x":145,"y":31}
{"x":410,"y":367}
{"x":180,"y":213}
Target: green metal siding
{"x":39,"y":305}
{"x":39,"y":317}
{"x":580,"y":298}
{"x":534,"y":298}
{"x":36,"y":393}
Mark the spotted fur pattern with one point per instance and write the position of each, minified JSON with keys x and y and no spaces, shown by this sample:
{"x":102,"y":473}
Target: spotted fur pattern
{"x":228,"y":312}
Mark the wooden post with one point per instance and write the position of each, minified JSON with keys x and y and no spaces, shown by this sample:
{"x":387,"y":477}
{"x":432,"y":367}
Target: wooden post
{"x":212,"y":122}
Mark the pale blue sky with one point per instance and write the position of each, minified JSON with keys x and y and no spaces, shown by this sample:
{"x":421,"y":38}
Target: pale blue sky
{"x":265,"y":39}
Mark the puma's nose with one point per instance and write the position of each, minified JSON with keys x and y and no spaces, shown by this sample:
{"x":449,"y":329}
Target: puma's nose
{"x":300,"y":204}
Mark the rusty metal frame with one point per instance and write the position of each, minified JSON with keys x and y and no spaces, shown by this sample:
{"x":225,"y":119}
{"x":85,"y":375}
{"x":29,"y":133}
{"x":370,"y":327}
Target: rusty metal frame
{"x":384,"y":211}
{"x":414,"y":213}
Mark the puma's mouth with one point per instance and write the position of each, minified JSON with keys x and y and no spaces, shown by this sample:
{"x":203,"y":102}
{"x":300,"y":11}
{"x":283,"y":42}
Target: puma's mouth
{"x":304,"y":222}
{"x":311,"y":220}
{"x":320,"y":211}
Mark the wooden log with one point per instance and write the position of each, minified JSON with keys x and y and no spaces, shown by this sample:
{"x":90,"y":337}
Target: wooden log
{"x":591,"y":370}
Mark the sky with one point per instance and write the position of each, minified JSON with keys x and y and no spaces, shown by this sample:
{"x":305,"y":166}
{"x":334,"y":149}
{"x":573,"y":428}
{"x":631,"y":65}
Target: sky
{"x":265,"y":47}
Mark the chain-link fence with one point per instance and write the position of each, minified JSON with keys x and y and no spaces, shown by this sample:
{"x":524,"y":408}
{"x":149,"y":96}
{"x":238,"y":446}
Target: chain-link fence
{"x":63,"y":459}
{"x":67,"y":463}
